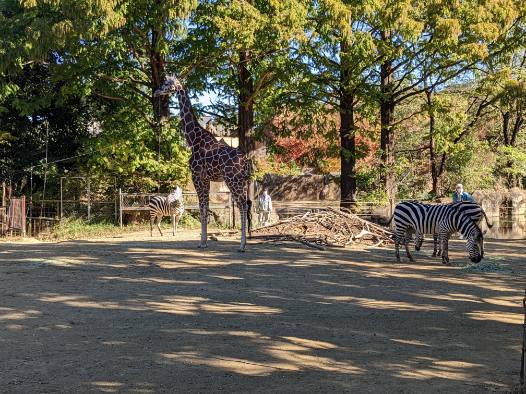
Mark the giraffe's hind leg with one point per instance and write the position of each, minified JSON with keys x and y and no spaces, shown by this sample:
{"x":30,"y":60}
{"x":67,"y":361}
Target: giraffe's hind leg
{"x":239,"y":191}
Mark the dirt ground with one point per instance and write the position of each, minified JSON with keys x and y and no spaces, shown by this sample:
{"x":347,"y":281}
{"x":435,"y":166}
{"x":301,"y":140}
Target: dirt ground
{"x":139,"y":315}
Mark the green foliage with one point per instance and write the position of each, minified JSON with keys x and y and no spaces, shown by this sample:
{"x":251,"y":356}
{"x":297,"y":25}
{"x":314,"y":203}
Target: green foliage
{"x":451,"y":119}
{"x":511,"y":164}
{"x":76,"y":228}
{"x":125,"y":149}
{"x":472,"y":166}
{"x":80,"y":75}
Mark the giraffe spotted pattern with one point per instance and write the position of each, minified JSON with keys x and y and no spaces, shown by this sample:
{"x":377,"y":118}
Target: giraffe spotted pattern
{"x":211,"y":160}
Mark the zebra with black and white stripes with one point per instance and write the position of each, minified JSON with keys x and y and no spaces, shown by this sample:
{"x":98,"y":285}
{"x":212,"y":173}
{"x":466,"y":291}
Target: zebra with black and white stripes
{"x":172,"y":205}
{"x":471,"y":209}
{"x":442,"y":219}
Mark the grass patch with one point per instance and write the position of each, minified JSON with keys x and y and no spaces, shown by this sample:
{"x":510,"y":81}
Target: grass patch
{"x":75,"y":228}
{"x":78,"y":228}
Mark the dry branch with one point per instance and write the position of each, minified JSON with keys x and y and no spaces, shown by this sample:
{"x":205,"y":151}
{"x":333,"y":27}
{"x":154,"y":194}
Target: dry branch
{"x":327,"y":227}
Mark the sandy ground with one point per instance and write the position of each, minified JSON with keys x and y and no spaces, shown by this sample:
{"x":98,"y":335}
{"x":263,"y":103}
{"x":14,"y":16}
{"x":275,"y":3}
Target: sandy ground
{"x":140,"y":315}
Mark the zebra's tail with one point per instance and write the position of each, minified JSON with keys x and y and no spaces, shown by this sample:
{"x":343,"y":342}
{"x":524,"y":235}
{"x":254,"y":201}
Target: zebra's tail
{"x":487,"y":221}
{"x":390,"y":220}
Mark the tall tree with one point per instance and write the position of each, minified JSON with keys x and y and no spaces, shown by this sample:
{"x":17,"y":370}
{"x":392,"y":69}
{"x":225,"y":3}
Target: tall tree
{"x":406,"y":33}
{"x":250,"y":47}
{"x":335,"y":64}
{"x":117,"y":50}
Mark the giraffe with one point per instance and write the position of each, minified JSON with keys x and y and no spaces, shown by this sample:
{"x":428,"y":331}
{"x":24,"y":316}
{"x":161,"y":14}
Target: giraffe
{"x":211,"y":160}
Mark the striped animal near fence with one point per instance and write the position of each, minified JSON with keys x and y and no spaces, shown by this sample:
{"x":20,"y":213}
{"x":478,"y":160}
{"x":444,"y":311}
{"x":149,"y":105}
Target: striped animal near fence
{"x":171,"y":205}
{"x":130,"y":202}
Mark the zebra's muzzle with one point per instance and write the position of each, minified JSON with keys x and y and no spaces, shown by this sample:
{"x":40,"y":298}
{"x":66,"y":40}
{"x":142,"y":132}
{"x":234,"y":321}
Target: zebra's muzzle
{"x":476,"y":259}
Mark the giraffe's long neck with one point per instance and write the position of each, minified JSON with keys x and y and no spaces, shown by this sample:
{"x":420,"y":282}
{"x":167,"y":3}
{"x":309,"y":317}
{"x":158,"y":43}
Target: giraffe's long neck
{"x":193,"y":132}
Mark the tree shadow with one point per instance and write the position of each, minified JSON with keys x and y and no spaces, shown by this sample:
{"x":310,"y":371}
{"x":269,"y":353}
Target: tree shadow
{"x":162,"y":316}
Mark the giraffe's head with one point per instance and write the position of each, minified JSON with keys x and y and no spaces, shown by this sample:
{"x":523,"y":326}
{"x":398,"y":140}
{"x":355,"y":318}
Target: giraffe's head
{"x":170,"y":85}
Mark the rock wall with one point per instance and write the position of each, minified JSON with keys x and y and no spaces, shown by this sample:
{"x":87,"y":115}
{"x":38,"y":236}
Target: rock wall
{"x":300,"y":187}
{"x":502,"y":203}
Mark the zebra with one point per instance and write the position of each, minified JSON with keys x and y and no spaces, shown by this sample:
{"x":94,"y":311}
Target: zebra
{"x":471,"y":209}
{"x":444,"y":219}
{"x":172,"y":205}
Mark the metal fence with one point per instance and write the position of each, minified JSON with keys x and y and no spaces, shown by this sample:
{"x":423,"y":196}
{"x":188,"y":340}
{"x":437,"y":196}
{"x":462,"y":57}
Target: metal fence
{"x":3,"y":220}
{"x":13,"y":217}
{"x":60,"y":209}
{"x":136,"y":202}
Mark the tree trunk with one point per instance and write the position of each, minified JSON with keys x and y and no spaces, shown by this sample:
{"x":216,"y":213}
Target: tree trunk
{"x":519,"y":121}
{"x":245,"y":103}
{"x":246,"y":111}
{"x":387,"y":107}
{"x":160,"y":104}
{"x":432,"y":154}
{"x":347,"y":139}
{"x":505,"y":127}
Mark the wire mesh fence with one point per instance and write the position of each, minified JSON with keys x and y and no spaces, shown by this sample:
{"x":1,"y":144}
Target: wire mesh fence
{"x":220,"y":206}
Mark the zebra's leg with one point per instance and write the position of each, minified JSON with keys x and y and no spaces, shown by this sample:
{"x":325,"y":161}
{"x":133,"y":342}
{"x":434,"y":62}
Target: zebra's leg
{"x":419,"y":240}
{"x":151,"y":225}
{"x":176,"y":222}
{"x":397,"y":247}
{"x":173,"y":224}
{"x":407,"y":238}
{"x":445,"y":246}
{"x":158,"y":223}
{"x":435,"y":245}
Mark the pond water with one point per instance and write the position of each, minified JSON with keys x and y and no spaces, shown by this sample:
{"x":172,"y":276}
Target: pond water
{"x":505,"y":227}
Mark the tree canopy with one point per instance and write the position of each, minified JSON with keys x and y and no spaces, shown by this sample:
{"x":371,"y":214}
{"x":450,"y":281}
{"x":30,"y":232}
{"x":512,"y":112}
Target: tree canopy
{"x":403,"y":99}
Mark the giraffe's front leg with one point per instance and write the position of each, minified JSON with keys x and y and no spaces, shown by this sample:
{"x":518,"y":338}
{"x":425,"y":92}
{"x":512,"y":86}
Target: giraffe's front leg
{"x":202,"y":187}
{"x":243,"y":211}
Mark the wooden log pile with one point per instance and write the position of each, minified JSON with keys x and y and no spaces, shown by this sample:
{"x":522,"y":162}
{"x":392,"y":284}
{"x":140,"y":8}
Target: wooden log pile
{"x":328,"y":227}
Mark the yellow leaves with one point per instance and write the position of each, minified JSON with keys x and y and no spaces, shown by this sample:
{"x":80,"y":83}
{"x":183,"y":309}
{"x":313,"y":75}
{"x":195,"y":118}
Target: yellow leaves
{"x":28,"y":3}
{"x":245,"y":25}
{"x":177,"y":9}
{"x":448,"y":30}
{"x":486,"y":31}
{"x":62,"y":29}
{"x":476,"y":50}
{"x":341,"y":14}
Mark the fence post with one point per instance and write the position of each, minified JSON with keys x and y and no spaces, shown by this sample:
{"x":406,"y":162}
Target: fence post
{"x":23,"y":215}
{"x":115,"y":213}
{"x":120,"y":207}
{"x":89,"y":201}
{"x":61,"y":212}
